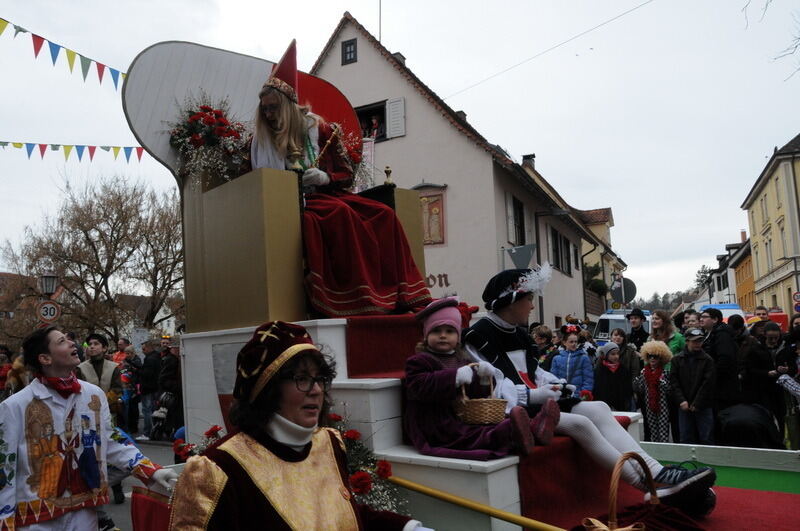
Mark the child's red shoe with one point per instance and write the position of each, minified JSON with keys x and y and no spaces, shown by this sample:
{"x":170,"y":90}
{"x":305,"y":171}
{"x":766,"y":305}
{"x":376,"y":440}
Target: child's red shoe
{"x":521,"y":430}
{"x":544,"y":423}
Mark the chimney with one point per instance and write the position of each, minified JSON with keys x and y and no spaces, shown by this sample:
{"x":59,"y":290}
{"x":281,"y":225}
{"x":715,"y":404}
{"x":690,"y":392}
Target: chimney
{"x":462,"y":115}
{"x":744,"y":235}
{"x":400,"y":57}
{"x":529,"y":159}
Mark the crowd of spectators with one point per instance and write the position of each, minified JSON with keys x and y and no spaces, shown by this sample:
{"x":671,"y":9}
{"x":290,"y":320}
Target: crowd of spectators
{"x":695,"y":378}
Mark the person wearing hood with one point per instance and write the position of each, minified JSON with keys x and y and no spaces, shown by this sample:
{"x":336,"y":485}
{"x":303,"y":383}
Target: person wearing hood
{"x":612,"y":379}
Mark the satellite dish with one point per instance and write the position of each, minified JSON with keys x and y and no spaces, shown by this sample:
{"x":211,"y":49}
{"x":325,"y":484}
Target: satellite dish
{"x":617,"y":291}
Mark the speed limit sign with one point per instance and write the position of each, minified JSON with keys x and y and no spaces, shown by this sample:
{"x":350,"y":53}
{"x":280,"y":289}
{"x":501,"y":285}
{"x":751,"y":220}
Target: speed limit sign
{"x":48,"y":311}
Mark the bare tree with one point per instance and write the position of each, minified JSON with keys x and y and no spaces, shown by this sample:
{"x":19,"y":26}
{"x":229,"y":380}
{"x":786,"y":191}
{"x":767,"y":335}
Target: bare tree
{"x":108,"y":238}
{"x":794,"y":45}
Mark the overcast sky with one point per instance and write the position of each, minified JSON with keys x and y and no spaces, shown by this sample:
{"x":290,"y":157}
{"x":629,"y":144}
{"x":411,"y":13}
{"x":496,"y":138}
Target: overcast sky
{"x":667,"y":114}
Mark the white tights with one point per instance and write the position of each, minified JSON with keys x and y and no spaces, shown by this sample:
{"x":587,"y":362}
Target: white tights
{"x":594,"y":428}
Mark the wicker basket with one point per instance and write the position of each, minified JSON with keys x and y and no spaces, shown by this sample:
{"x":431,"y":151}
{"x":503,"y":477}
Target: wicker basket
{"x":481,"y":410}
{"x":591,"y":524}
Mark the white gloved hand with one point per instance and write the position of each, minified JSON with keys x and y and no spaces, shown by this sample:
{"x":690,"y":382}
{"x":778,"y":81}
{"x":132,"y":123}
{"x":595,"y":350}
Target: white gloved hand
{"x":571,"y":388}
{"x":165,"y":478}
{"x":315,"y":177}
{"x":464,"y":376}
{"x":540,"y":395}
{"x":486,"y":372}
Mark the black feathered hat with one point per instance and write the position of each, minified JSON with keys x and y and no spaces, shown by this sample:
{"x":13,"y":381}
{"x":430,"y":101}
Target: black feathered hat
{"x":507,"y":287}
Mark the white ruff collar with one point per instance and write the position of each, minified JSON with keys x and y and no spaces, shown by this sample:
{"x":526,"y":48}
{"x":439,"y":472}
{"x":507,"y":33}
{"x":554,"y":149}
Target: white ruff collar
{"x":288,"y":433}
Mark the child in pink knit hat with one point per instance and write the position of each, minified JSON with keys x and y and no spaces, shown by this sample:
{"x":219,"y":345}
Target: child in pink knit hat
{"x":435,"y":375}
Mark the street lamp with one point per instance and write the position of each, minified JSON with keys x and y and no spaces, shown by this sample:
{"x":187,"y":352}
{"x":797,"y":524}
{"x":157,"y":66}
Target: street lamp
{"x":48,"y":282}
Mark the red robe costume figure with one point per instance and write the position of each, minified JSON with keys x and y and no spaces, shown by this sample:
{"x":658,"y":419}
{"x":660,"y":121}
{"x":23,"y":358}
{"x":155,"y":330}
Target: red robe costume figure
{"x":357,"y":254}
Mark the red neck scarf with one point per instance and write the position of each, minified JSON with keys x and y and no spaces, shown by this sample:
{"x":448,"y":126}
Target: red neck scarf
{"x":652,"y":377}
{"x":63,"y":386}
{"x":611,"y":366}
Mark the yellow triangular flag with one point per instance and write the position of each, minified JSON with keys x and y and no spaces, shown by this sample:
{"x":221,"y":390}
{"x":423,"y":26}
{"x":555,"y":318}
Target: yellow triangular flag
{"x":67,"y":151}
{"x":3,"y":24}
{"x":115,"y":149}
{"x":124,"y":75}
{"x":22,"y":509}
{"x":17,"y":144}
{"x":50,"y":507}
{"x":35,"y":505}
{"x":70,"y":58}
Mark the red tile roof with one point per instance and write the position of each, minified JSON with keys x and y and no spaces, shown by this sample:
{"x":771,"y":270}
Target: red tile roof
{"x":597,"y":215}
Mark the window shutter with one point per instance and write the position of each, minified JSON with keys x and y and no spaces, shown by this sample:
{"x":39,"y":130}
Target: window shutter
{"x":395,"y":117}
{"x":510,"y":227}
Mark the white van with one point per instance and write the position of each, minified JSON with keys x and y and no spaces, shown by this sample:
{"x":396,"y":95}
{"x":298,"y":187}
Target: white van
{"x":615,"y":319}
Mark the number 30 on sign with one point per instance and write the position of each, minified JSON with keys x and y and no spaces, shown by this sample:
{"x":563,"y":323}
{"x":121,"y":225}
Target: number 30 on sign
{"x":48,"y":311}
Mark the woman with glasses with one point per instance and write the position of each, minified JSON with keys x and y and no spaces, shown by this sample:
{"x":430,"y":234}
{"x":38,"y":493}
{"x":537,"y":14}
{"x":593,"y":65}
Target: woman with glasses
{"x":279,"y":469}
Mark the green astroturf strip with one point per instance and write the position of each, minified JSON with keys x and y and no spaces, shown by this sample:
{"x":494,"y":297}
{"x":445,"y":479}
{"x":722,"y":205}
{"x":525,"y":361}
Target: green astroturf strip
{"x":756,"y":479}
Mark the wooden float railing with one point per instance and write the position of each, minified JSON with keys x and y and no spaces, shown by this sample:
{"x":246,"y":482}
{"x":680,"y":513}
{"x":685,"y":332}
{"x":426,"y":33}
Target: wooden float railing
{"x":526,"y":523}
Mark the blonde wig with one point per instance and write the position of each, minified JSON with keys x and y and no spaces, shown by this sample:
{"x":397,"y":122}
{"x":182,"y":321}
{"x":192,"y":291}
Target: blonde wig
{"x":290,"y":133}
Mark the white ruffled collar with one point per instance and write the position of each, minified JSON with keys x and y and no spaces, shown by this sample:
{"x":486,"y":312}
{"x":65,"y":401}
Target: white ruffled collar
{"x":288,"y":433}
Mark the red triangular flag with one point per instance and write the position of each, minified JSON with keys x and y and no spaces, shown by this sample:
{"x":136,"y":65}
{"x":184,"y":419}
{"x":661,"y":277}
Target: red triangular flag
{"x":91,"y":152}
{"x":139,"y":151}
{"x":37,"y":44}
{"x":42,"y":149}
{"x":101,"y":68}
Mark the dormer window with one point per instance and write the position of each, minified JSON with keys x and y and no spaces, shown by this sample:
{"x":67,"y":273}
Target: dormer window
{"x":349,"y":51}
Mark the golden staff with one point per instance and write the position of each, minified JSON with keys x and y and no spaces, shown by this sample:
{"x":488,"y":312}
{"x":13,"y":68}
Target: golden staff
{"x":474,"y":506}
{"x":336,"y":130}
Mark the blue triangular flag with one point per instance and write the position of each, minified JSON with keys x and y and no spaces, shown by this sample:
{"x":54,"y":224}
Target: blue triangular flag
{"x":54,"y":49}
{"x":80,"y":149}
{"x":127,"y":151}
{"x":30,"y":147}
{"x":114,"y":76}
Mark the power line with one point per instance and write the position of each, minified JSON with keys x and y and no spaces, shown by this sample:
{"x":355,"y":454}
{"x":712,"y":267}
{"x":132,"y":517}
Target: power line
{"x":550,"y":49}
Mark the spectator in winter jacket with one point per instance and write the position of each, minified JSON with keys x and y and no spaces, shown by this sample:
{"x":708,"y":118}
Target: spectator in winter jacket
{"x":572,"y":363}
{"x":629,"y":358}
{"x":720,"y":345}
{"x":692,"y":377}
{"x":612,"y":380}
{"x":148,"y":385}
{"x":638,"y":335}
{"x":758,"y":359}
{"x":169,"y":381}
{"x":663,"y":331}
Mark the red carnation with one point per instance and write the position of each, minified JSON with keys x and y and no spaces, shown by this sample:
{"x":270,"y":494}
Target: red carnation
{"x":220,"y":131}
{"x":206,"y":108}
{"x":218,"y":113}
{"x":222,"y":121}
{"x":196,"y":140}
{"x":353,"y":435}
{"x":334,"y":417}
{"x":213,"y":431}
{"x":383,"y":469}
{"x":195,"y":117}
{"x":586,"y":395}
{"x":234,"y":134}
{"x":177,"y":445}
{"x":209,"y":120}
{"x":361,"y":482}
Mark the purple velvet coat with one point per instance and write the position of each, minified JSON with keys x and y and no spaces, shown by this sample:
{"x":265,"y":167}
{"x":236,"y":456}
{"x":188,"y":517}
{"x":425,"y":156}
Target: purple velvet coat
{"x":430,"y":420}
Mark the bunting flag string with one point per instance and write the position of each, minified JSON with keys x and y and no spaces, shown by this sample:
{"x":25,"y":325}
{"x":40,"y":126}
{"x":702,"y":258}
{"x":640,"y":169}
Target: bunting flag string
{"x":79,"y":149}
{"x":55,"y":51}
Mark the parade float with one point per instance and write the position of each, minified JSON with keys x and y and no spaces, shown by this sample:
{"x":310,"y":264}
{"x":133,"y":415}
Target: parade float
{"x":244,"y":264}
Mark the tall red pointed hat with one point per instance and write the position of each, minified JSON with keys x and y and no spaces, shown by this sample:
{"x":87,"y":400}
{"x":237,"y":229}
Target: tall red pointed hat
{"x":284,"y":74}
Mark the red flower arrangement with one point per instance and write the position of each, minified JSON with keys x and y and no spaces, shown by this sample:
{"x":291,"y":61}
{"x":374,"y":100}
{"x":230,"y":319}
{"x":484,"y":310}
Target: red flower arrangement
{"x":586,"y":395}
{"x":368,"y":476}
{"x":353,"y":435}
{"x":185,"y":450}
{"x":361,"y":482}
{"x":208,"y":141}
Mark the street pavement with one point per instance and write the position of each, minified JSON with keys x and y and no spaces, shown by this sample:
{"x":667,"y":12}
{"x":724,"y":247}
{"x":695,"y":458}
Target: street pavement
{"x":158,"y":452}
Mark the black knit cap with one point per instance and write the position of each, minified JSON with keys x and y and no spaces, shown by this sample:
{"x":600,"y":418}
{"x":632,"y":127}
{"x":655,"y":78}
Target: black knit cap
{"x":500,"y":292}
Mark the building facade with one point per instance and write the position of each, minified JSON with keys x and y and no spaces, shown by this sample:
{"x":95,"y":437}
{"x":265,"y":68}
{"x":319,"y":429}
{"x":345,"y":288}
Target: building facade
{"x":742,"y":263}
{"x":773,"y":212}
{"x":481,"y":211}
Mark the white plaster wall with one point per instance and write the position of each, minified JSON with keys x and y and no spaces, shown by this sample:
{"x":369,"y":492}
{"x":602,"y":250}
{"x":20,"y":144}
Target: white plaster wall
{"x":564,"y":295}
{"x":435,"y":152}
